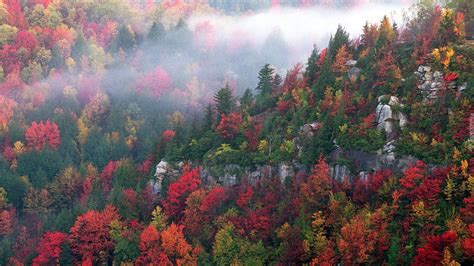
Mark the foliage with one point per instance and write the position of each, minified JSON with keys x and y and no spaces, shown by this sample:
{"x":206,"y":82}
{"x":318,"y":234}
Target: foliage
{"x":290,"y":171}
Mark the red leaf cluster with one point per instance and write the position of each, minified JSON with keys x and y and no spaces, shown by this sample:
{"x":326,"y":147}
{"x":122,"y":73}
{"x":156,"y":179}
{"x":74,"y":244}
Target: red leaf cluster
{"x":107,"y":175}
{"x":244,"y":197}
{"x":49,"y":248}
{"x":452,"y":76}
{"x":6,"y":221}
{"x":468,"y":243}
{"x":156,"y":81}
{"x":89,"y":236}
{"x":229,"y":125}
{"x":178,"y":192}
{"x":417,"y":185}
{"x":252,"y":133}
{"x":432,"y":252}
{"x":38,"y":135}
{"x":168,"y":135}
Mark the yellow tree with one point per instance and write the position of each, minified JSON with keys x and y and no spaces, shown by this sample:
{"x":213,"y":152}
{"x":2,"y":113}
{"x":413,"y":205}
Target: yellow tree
{"x":340,"y":67}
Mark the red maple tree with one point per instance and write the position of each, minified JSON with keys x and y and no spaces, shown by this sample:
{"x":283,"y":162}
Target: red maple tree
{"x":38,"y":135}
{"x":150,"y":248}
{"x":107,"y":175}
{"x":229,"y":125}
{"x":432,"y":252}
{"x":16,"y":16}
{"x":90,"y":235}
{"x":175,"y":202}
{"x":252,"y":134}
{"x":168,"y":135}
{"x":468,"y":243}
{"x":156,"y":81}
{"x":316,"y":190}
{"x":49,"y":248}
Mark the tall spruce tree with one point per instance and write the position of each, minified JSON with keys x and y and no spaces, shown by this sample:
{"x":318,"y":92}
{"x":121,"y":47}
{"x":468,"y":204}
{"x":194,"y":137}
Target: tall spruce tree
{"x":156,"y":31}
{"x":246,"y":100}
{"x":80,"y":46}
{"x":224,"y":100}
{"x":264,"y":98}
{"x":340,"y":38}
{"x":265,"y":80}
{"x":312,"y":67}
{"x":208,"y":122}
{"x":125,"y":39}
{"x":326,"y":78}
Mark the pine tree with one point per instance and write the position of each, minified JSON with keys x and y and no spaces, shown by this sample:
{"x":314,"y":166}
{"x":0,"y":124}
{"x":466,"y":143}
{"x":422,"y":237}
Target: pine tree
{"x":369,"y":35}
{"x":125,"y":39}
{"x":208,"y":118}
{"x":340,"y":38}
{"x":312,"y":66}
{"x":264,"y":98}
{"x":79,"y":47}
{"x":277,"y":80}
{"x":326,"y":78}
{"x":265,"y":80}
{"x":246,"y":100}
{"x":156,"y":31}
{"x":386,"y":33}
{"x":224,"y":100}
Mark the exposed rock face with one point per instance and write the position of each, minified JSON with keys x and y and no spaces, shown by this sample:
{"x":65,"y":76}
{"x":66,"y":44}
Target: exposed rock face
{"x":367,"y":162}
{"x":308,"y":130}
{"x":388,"y":151}
{"x":389,"y":119}
{"x":339,"y":172}
{"x":429,"y":83}
{"x":354,"y":71}
{"x":284,"y":171}
{"x":230,"y":174}
{"x":161,"y":169}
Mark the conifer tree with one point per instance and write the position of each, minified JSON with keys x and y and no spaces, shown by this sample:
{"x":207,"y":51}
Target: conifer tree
{"x":265,"y":87}
{"x":224,"y":100}
{"x":125,"y":39}
{"x":156,"y":31}
{"x":340,"y":38}
{"x":312,"y":66}
{"x":246,"y":100}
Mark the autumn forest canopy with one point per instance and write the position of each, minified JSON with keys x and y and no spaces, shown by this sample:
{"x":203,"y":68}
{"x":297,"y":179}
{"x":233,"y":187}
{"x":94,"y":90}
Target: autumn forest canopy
{"x":221,"y":132}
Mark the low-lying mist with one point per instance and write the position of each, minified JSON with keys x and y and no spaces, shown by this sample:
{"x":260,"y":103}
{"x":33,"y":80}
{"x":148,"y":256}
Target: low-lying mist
{"x":196,"y":58}
{"x":299,"y":28}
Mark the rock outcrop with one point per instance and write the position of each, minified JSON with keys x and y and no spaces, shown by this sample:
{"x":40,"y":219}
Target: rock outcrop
{"x":388,"y":117}
{"x":163,"y":171}
{"x":354,"y":72}
{"x":429,"y":83}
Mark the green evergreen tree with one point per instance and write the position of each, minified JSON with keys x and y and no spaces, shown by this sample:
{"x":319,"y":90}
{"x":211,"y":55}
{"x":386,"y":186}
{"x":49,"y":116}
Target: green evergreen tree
{"x":264,"y":98}
{"x":224,"y":100}
{"x":208,"y":118}
{"x":326,"y":78}
{"x":57,"y":60}
{"x":96,"y":149}
{"x":125,"y":39}
{"x":246,"y":100}
{"x":340,"y":38}
{"x":156,"y":31}
{"x":312,"y":67}
{"x":265,"y":80}
{"x":277,"y":81}
{"x":80,"y":46}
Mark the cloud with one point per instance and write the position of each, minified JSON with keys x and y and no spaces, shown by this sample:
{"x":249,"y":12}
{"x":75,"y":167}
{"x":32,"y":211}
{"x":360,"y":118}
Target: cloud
{"x":300,"y":28}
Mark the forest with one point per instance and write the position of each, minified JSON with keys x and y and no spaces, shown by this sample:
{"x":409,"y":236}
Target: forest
{"x":183,"y":132}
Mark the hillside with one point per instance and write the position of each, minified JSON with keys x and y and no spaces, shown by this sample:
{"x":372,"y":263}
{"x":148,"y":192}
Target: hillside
{"x":161,"y":133}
